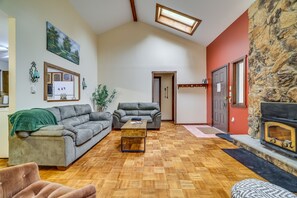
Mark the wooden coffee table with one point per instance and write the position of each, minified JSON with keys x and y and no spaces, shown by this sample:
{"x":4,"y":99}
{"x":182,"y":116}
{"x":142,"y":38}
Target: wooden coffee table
{"x":132,"y":130}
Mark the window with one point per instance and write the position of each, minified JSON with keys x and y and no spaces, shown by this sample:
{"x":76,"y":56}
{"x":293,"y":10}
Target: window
{"x":176,"y":19}
{"x":239,"y":68}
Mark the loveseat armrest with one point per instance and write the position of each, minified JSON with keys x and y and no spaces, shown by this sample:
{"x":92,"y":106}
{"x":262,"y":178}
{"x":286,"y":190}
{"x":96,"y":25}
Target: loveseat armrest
{"x":119,"y":113}
{"x":155,"y":113}
{"x":88,"y":191}
{"x":97,"y":116}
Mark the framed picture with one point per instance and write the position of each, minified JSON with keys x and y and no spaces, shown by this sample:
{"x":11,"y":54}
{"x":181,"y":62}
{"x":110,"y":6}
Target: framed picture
{"x":67,"y":77}
{"x":49,"y":78}
{"x":56,"y":76}
{"x":60,"y":44}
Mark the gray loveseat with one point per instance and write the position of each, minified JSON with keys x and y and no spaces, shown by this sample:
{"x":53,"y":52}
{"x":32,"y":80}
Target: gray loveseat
{"x":77,"y":131}
{"x":146,"y":111}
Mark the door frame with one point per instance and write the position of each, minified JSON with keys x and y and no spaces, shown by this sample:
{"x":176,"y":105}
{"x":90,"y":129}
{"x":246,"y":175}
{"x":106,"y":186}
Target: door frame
{"x":227,"y":92}
{"x":160,"y":82}
{"x":174,"y":90}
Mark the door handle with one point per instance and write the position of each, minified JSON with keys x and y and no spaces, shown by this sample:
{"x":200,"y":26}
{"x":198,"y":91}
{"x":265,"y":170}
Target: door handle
{"x":167,"y":92}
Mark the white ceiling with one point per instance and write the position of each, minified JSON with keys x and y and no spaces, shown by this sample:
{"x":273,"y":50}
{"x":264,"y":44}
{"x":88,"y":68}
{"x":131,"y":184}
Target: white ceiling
{"x":216,"y":15}
{"x":3,"y":36}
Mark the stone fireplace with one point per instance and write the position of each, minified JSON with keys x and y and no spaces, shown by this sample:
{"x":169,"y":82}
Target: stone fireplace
{"x":272,"y":57}
{"x":278,"y":127}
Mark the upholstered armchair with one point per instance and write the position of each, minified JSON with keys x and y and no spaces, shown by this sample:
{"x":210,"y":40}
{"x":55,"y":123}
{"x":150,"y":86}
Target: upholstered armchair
{"x":24,"y":181}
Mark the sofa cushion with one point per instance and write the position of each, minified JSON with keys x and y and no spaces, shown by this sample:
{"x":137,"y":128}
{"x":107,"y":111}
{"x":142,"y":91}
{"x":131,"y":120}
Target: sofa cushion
{"x":145,"y":112}
{"x":148,"y":106}
{"x":67,"y":111}
{"x":83,"y":135}
{"x":82,"y":109}
{"x":132,"y":112}
{"x":83,"y":118}
{"x":74,"y":121}
{"x":126,"y":118}
{"x":56,"y":112}
{"x":105,"y":124}
{"x":128,"y":106}
{"x":95,"y":126}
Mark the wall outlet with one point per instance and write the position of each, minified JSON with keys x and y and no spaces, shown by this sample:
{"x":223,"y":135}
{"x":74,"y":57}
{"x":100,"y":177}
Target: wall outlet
{"x":232,"y":119}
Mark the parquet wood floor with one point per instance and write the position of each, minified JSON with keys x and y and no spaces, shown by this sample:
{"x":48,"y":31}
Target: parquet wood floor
{"x":175,"y":164}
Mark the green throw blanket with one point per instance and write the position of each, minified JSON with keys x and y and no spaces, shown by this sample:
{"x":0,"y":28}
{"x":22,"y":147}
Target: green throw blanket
{"x":31,"y":120}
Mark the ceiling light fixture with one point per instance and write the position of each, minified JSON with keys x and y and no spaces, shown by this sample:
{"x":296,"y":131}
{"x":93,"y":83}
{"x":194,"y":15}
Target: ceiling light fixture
{"x":176,"y":20}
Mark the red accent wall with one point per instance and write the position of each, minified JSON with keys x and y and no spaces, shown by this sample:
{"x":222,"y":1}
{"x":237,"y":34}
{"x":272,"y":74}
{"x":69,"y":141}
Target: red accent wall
{"x":232,"y":44}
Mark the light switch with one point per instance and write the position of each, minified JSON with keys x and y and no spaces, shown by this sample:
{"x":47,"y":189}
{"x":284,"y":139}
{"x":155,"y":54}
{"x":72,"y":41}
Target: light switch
{"x":33,"y":89}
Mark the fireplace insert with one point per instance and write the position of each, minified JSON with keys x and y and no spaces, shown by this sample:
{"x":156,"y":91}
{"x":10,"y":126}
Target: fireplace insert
{"x":279,"y":126}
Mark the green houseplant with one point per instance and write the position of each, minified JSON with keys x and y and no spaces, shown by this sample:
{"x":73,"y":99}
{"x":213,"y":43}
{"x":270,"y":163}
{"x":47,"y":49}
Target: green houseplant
{"x":102,"y":97}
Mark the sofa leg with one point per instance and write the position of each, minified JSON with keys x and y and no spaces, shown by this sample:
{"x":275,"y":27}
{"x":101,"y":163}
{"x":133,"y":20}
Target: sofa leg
{"x":62,"y":168}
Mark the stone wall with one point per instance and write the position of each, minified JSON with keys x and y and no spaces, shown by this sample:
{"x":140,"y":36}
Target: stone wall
{"x":272,"y":56}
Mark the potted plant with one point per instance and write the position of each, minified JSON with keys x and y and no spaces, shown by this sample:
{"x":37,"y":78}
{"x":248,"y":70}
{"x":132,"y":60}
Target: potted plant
{"x":102,"y":97}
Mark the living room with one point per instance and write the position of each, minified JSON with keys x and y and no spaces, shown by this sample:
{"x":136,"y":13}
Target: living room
{"x":123,"y":54}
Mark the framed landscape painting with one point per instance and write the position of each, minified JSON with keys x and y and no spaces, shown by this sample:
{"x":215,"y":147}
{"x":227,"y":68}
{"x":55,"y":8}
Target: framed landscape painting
{"x":60,"y":44}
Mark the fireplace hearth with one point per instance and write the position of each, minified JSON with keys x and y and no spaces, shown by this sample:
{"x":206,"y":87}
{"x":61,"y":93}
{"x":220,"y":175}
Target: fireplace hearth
{"x":279,"y":127}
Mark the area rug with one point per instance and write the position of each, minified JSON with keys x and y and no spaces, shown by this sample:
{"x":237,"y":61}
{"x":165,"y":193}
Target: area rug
{"x":225,"y":136}
{"x":265,"y":169}
{"x":208,"y":130}
{"x":193,"y":129}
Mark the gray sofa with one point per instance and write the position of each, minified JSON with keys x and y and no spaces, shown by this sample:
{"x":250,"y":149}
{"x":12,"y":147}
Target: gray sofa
{"x":146,"y":111}
{"x":77,"y":131}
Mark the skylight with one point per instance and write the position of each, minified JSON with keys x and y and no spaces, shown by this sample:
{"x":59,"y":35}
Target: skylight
{"x":176,"y":19}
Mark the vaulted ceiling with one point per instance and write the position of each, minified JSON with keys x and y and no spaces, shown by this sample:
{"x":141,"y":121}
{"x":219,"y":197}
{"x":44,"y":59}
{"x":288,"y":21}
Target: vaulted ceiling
{"x":216,"y":15}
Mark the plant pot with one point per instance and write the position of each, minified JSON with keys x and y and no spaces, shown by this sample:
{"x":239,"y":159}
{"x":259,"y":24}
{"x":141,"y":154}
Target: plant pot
{"x":100,"y":108}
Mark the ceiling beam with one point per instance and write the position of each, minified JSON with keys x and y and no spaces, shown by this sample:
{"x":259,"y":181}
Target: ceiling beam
{"x":133,"y":10}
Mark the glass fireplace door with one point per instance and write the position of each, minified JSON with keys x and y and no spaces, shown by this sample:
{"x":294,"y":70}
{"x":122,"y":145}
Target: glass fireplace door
{"x":281,"y":135}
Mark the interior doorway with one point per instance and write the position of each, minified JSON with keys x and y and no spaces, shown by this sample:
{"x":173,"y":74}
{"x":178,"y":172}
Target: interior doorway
{"x":8,"y":77}
{"x":4,"y":56}
{"x":220,"y":98}
{"x":164,"y":93}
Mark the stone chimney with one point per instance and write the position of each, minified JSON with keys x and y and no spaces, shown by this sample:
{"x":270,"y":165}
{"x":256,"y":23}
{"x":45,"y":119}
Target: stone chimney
{"x":272,"y":56}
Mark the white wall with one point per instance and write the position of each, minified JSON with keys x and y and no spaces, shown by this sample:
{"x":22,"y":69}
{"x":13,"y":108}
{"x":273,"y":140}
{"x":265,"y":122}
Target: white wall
{"x":31,"y":17}
{"x":129,"y":54}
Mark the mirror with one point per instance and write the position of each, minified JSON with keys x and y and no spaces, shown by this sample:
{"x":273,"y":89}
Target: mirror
{"x":60,"y":84}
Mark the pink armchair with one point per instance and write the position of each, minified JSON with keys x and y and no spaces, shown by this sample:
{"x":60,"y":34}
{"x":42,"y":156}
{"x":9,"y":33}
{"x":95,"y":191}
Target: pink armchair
{"x":24,"y":181}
